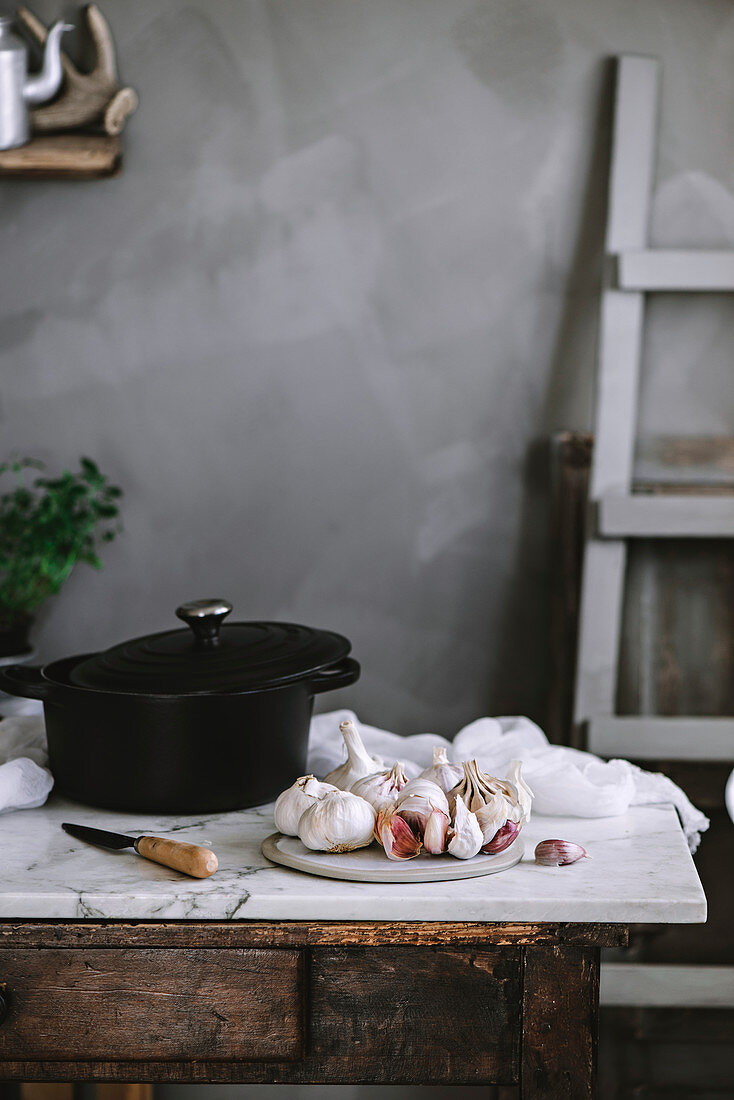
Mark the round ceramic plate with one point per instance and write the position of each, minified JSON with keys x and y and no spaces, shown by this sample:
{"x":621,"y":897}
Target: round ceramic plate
{"x":372,"y":865}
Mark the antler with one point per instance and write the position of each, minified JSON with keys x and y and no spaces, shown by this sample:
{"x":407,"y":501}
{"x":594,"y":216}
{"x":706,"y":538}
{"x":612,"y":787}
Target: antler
{"x":86,"y":98}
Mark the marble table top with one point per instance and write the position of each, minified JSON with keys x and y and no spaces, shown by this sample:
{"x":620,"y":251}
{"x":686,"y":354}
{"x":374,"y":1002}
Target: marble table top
{"x":640,"y":871}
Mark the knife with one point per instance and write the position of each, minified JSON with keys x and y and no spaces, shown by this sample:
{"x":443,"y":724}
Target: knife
{"x":189,"y":858}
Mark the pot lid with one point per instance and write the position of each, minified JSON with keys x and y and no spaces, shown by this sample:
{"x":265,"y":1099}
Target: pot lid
{"x":211,"y":656}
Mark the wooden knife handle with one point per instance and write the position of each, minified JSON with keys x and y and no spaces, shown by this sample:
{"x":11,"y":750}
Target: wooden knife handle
{"x":189,"y":858}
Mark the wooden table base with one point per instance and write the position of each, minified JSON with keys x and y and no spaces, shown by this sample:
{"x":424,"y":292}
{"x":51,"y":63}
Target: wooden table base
{"x":359,"y":1003}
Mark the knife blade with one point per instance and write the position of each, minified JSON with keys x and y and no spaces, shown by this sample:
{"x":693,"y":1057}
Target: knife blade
{"x":190,"y":859}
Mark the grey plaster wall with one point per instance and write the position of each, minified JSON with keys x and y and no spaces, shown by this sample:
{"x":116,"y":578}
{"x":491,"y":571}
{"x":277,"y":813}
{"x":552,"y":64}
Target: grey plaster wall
{"x":346,"y":281}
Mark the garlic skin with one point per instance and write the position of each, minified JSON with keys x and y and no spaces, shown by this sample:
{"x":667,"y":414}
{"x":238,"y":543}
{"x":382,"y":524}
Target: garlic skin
{"x":338,"y":822}
{"x":381,"y":789}
{"x":418,"y":800}
{"x":492,"y":815}
{"x":435,"y":832}
{"x":358,"y":762}
{"x":559,"y":853}
{"x":523,"y":793}
{"x":396,"y":836}
{"x":442,"y":771}
{"x":296,"y":800}
{"x":465,"y":836}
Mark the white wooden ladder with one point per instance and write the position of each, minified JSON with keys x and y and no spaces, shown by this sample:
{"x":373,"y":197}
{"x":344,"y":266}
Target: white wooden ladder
{"x":632,"y":271}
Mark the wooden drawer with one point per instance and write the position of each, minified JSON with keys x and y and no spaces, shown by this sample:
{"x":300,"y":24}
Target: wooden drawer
{"x":414,"y":1015}
{"x":155,"y":1005}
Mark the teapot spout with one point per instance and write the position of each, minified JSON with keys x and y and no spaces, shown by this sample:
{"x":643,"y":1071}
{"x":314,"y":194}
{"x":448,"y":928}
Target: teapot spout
{"x":45,"y":85}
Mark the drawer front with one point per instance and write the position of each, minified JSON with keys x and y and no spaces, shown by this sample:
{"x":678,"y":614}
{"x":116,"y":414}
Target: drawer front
{"x":414,"y":1015}
{"x":152,"y":1005}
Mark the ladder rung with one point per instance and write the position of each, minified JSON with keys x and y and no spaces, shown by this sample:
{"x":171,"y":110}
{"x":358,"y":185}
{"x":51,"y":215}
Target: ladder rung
{"x":675,"y":269}
{"x":647,"y":516}
{"x":655,"y":985}
{"x":662,"y":738}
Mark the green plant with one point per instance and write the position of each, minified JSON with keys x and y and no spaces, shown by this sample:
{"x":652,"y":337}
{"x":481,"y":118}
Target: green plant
{"x":46,"y":527}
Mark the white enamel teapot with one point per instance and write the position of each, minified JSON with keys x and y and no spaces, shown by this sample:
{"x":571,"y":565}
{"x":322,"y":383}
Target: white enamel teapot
{"x":19,"y":90}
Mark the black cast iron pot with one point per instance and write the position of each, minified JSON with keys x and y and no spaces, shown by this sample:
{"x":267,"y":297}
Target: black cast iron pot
{"x":202,"y":720}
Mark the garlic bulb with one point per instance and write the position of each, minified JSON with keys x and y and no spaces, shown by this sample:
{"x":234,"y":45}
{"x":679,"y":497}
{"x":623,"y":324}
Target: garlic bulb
{"x":425,"y":788}
{"x":381,"y":789}
{"x":442,"y":772}
{"x":466,"y":836}
{"x":358,"y":762}
{"x":475,"y":786}
{"x":495,"y":803}
{"x":417,"y":801}
{"x":338,"y":822}
{"x":396,"y":836}
{"x":558,"y":853}
{"x":435,"y":832}
{"x":295,"y":800}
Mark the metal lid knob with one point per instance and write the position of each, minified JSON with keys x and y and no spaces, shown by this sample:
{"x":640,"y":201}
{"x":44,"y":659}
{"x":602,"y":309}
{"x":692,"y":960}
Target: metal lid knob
{"x":205,"y":618}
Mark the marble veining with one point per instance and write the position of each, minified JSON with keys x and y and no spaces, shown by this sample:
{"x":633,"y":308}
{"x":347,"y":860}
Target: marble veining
{"x":640,"y":871}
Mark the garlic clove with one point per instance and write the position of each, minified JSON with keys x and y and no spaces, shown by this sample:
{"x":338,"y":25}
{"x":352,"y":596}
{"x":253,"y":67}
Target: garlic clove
{"x":396,"y":836}
{"x":465,"y":836}
{"x":381,"y":789}
{"x":442,"y":771}
{"x":493,"y":815}
{"x":338,"y":822}
{"x":502,"y":839}
{"x":358,"y":763}
{"x":559,"y":853}
{"x":434,"y":834}
{"x":295,"y":800}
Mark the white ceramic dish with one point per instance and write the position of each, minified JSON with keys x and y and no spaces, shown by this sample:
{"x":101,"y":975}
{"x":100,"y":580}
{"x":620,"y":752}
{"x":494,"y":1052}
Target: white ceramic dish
{"x":372,"y":865}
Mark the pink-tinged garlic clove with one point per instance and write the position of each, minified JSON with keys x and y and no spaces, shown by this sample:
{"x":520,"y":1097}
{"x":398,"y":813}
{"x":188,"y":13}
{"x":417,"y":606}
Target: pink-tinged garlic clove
{"x":559,"y":853}
{"x":418,"y":800}
{"x":434,"y":834}
{"x":502,"y":839}
{"x":396,"y":836}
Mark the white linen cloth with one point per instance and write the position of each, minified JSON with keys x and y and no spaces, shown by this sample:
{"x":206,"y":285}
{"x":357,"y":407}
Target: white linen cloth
{"x":25,"y":781}
{"x":564,"y":781}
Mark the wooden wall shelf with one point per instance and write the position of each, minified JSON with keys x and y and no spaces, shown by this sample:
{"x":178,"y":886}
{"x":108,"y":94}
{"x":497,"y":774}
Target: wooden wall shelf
{"x":64,"y":157}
